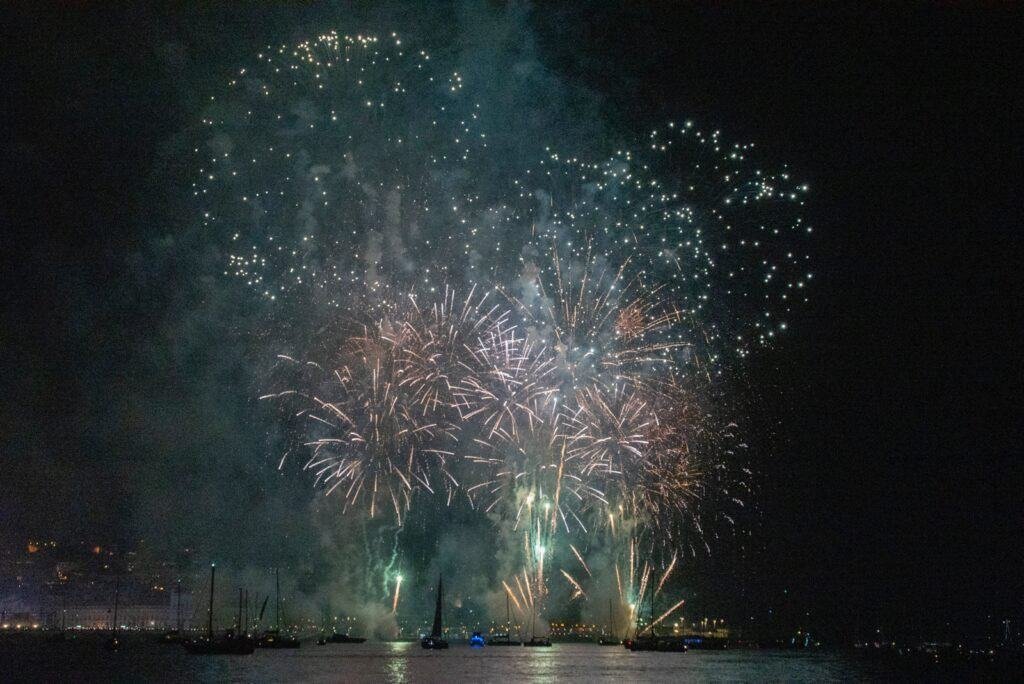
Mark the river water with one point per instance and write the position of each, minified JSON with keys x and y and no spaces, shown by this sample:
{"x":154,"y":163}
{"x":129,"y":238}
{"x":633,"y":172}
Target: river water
{"x":85,"y":660}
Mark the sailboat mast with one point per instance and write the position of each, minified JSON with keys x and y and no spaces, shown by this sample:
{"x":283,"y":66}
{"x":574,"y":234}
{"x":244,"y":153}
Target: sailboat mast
{"x":179,"y":607}
{"x":209,"y":612}
{"x":651,"y":625}
{"x":117,"y":598}
{"x":436,"y":629}
{"x":277,"y":602}
{"x":639,"y":611}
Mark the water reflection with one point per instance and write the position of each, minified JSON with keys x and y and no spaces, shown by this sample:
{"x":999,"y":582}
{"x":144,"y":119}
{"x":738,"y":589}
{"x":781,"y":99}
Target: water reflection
{"x":398,"y":661}
{"x":540,"y":663}
{"x":84,"y":660}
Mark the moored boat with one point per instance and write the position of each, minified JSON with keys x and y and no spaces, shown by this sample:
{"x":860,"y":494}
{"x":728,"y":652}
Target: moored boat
{"x":273,"y":638}
{"x":435,"y":640}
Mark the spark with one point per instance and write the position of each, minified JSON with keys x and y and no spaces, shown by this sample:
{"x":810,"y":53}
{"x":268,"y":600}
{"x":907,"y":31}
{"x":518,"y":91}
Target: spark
{"x":577,"y":589}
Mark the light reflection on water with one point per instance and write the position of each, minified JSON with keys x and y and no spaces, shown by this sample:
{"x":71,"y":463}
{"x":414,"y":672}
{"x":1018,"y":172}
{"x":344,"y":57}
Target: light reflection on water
{"x":397,"y":662}
{"x":85,"y":660}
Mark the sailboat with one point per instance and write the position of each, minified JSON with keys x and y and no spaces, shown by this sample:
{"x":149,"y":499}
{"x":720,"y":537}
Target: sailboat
{"x":232,"y":643}
{"x":534,"y":639}
{"x":114,"y":642}
{"x":652,"y":641}
{"x":506,"y":638}
{"x":435,"y":640}
{"x":174,"y":636}
{"x":273,"y":638}
{"x":610,"y":639}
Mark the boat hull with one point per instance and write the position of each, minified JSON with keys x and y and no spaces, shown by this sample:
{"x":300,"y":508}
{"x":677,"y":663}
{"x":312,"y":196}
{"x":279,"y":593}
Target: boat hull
{"x":433,"y":643}
{"x":279,"y":643}
{"x":538,"y":643}
{"x":274,"y":639}
{"x":661,"y":644}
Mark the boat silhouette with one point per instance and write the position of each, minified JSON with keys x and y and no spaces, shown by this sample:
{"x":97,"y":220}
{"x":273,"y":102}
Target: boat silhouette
{"x":506,"y":638}
{"x":273,"y":638}
{"x":435,"y":640}
{"x":229,"y":643}
{"x":649,"y":640}
{"x":610,"y":639}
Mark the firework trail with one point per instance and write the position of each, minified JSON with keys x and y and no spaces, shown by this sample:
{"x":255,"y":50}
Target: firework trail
{"x":398,"y":593}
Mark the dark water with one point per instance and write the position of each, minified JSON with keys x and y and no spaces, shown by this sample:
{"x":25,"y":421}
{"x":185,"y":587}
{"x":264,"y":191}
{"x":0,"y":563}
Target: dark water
{"x":85,"y":660}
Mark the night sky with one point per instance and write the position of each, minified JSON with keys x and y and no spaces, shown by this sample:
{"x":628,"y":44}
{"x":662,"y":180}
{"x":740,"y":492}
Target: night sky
{"x":887,"y":424}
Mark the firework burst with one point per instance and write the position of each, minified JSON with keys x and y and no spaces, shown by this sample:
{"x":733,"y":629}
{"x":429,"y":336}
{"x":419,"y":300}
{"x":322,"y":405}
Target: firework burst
{"x":367,"y":440}
{"x":603,"y":325}
{"x":548,"y":341}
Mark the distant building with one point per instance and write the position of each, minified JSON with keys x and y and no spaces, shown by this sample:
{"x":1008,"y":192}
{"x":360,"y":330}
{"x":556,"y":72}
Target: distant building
{"x":129,"y":617}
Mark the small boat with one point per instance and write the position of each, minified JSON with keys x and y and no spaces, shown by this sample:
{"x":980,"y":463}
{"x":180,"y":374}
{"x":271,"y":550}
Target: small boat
{"x":506,"y":638}
{"x":534,"y":639}
{"x":336,"y":637}
{"x":435,"y":640}
{"x":273,"y":638}
{"x":538,"y":641}
{"x":503,"y":640}
{"x":652,"y":641}
{"x":433,"y":643}
{"x":477,"y":640}
{"x":231,"y":643}
{"x":610,"y":639}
